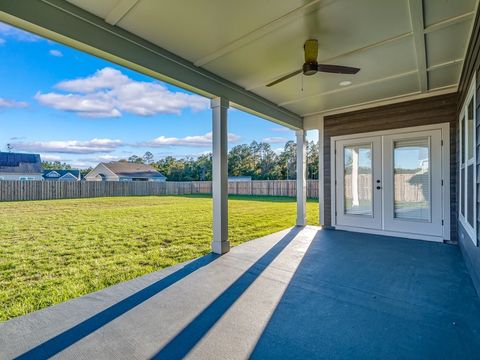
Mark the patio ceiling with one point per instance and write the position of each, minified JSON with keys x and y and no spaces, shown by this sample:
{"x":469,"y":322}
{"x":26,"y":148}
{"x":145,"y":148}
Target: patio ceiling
{"x":405,"y":48}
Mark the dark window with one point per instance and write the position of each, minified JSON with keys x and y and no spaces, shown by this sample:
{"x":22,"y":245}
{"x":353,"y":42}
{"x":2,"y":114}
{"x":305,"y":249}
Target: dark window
{"x":462,"y":194}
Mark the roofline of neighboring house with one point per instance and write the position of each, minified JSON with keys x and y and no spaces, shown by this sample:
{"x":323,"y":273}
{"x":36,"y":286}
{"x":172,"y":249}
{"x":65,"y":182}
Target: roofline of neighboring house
{"x":103,"y":165}
{"x":70,"y":174}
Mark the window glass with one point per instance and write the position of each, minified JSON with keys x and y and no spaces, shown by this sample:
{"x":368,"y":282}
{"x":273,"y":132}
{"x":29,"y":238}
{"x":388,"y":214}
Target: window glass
{"x":411,"y":161}
{"x":358,"y":180}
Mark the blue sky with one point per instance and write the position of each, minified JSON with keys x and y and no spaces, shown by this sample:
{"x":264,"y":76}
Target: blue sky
{"x":73,"y":107}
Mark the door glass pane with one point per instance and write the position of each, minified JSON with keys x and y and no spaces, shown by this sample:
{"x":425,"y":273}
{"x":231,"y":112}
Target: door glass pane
{"x":470,"y":194}
{"x":412,"y":179}
{"x":358,"y":180}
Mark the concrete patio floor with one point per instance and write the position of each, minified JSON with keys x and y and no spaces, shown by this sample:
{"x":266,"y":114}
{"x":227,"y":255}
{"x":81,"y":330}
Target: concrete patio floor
{"x":299,"y":293}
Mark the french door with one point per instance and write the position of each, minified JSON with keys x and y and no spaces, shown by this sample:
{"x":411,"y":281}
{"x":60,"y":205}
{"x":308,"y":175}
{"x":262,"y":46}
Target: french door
{"x":359,"y":173}
{"x":391,"y":183}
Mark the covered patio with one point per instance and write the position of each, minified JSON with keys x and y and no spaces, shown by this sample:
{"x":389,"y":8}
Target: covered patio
{"x":300,"y":293}
{"x":375,"y":291}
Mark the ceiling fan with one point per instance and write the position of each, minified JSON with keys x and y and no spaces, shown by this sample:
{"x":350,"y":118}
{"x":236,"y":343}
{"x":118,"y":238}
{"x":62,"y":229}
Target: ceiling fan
{"x":311,"y":66}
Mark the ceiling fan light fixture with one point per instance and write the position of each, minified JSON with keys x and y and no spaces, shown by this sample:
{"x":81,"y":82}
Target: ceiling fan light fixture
{"x":310,"y":49}
{"x":345,"y":83}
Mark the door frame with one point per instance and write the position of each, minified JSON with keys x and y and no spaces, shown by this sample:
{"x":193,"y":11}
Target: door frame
{"x":445,"y":171}
{"x":368,"y":222}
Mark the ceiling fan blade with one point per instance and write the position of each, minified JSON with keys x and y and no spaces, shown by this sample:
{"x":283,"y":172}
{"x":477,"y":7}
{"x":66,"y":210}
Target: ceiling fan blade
{"x":283,"y":78}
{"x":337,"y":69}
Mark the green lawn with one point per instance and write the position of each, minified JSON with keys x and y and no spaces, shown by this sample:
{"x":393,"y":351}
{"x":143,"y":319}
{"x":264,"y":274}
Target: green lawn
{"x":52,"y":251}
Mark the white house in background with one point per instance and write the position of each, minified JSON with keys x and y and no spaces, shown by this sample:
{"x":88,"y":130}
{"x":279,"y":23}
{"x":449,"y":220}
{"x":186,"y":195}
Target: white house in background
{"x":124,"y":171}
{"x":17,"y":166}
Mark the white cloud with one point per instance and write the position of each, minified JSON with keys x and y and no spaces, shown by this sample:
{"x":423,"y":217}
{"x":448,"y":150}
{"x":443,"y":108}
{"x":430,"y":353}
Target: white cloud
{"x":7,"y":103}
{"x":275,"y":140}
{"x":49,"y":157}
{"x":90,"y":105}
{"x":70,"y":146}
{"x":105,"y":158}
{"x":7,"y":31}
{"x":56,"y":53}
{"x":190,"y":141}
{"x":109,"y":93}
{"x":107,"y":78}
{"x":282,"y":130}
{"x":100,"y":158}
{"x":82,"y":165}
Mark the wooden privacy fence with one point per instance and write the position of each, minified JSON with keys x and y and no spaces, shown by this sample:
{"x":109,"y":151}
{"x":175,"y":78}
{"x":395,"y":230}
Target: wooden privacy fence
{"x":408,"y":187}
{"x":48,"y":190}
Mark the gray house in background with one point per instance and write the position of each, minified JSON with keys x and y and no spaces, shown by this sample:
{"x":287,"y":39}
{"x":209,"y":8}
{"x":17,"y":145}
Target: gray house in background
{"x":17,"y":166}
{"x":62,"y":175}
{"x":124,"y":171}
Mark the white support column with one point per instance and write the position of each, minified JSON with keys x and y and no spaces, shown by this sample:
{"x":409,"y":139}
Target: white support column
{"x":220,"y":244}
{"x":301,"y":178}
{"x":321,"y":182}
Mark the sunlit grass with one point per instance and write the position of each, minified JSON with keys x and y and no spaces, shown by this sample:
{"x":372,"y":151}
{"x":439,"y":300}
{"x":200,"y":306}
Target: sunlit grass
{"x":52,"y":251}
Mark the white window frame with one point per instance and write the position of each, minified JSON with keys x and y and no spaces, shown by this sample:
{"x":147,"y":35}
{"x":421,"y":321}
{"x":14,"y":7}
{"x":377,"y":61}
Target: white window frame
{"x":463,"y":165}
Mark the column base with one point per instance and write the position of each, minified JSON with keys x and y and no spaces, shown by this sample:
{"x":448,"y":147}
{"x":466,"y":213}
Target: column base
{"x":220,"y":247}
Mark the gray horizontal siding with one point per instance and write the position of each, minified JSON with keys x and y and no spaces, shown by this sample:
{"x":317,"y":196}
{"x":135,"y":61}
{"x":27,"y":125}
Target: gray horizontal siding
{"x":428,"y":111}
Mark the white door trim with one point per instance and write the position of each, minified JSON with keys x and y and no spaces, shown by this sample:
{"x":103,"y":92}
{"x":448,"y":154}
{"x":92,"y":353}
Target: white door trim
{"x":445,"y":131}
{"x":374,"y":221}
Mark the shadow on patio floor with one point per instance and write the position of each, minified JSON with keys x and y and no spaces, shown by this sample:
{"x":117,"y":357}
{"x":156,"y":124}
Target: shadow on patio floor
{"x":300,"y":293}
{"x":187,"y":338}
{"x":65,"y":339}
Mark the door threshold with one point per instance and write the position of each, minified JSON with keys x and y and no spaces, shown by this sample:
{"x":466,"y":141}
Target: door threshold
{"x":391,"y":233}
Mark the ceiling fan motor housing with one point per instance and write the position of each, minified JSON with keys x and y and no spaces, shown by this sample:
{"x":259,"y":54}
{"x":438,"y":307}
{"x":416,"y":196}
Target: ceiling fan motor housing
{"x":310,"y":68}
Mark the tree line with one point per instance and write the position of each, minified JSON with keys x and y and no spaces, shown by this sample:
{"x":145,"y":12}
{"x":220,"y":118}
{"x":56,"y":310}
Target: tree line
{"x":256,"y":159}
